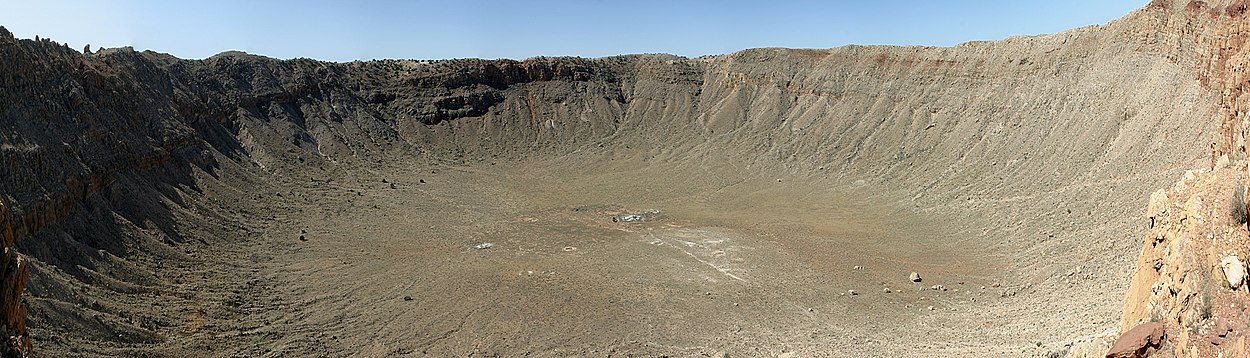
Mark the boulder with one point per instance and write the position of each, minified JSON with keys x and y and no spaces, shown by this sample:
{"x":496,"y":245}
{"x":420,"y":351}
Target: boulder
{"x":1222,"y":327}
{"x":1138,"y":342}
{"x":1234,"y":271}
{"x":914,"y":277}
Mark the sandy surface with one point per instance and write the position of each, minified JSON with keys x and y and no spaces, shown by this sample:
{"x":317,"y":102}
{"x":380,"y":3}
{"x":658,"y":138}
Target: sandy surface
{"x":748,"y":264}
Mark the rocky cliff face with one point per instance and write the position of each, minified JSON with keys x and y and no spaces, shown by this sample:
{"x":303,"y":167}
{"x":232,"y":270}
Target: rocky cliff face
{"x":1180,"y":280}
{"x":1039,"y":148}
{"x":13,"y":274}
{"x":1195,"y":237}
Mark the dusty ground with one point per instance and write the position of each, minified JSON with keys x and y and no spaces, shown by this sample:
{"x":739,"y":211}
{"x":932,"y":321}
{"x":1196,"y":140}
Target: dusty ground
{"x":744,"y":264}
{"x":740,"y":262}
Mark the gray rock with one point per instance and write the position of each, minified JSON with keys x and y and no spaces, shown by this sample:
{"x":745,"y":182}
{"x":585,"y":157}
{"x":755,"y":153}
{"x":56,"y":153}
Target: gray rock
{"x":914,"y":277}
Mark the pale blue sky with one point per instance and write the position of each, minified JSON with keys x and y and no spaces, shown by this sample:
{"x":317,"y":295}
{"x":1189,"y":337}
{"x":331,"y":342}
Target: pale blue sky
{"x":350,"y":30}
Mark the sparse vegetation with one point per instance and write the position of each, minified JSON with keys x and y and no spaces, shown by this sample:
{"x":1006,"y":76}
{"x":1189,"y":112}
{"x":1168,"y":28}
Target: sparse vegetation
{"x":1204,"y":307}
{"x":1238,"y":205}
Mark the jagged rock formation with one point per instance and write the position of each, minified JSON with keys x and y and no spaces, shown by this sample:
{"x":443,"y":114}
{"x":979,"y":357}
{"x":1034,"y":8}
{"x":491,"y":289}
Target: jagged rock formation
{"x":154,"y":196}
{"x":16,"y":341}
{"x":1179,"y":279}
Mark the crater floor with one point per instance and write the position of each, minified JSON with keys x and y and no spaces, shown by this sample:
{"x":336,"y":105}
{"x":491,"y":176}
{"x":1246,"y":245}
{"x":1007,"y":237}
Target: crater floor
{"x":391,"y":262}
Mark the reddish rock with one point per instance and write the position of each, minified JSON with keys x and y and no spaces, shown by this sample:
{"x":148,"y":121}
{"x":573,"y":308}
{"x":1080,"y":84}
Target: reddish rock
{"x":1222,"y":328}
{"x":1138,"y":342}
{"x":6,"y":226}
{"x":14,"y":339}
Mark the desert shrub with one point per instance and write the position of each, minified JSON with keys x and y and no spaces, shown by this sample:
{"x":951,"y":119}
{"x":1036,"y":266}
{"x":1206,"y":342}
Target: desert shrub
{"x":1238,"y":205}
{"x":1204,"y":308}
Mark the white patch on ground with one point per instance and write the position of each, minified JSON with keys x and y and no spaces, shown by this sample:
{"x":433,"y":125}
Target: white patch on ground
{"x":705,"y":246}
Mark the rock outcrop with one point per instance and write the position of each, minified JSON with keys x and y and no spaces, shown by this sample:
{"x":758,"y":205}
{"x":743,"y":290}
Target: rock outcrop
{"x":1180,"y":279}
{"x":1188,"y":275}
{"x":14,"y":339}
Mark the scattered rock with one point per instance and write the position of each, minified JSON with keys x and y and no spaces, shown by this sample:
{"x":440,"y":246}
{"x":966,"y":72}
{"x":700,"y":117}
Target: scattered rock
{"x":852,"y":292}
{"x":939,"y":288}
{"x":1138,"y":342}
{"x":858,"y":268}
{"x":930,"y":308}
{"x":887,"y":290}
{"x":646,"y":215}
{"x":302,"y":238}
{"x":422,"y":181}
{"x":914,"y":277}
{"x":1234,"y":271}
{"x":484,"y":245}
{"x":407,"y":298}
